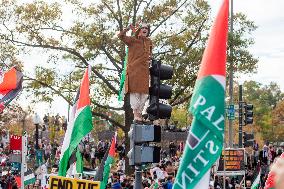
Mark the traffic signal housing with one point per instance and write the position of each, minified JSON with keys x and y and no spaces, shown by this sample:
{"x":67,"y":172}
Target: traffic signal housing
{"x":248,"y":139}
{"x":157,"y":90}
{"x":248,"y":113}
{"x":140,"y":149}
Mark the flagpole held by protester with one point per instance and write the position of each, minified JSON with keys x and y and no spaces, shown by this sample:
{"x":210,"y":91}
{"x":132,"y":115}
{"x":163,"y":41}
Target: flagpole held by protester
{"x":205,"y":139}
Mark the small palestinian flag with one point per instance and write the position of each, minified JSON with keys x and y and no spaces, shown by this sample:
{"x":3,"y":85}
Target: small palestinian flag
{"x":256,"y":182}
{"x":10,"y":86}
{"x":29,"y":177}
{"x":205,"y":139}
{"x":108,"y":163}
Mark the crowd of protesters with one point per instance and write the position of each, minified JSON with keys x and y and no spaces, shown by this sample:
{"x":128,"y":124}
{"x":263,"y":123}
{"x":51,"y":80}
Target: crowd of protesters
{"x":161,"y":175}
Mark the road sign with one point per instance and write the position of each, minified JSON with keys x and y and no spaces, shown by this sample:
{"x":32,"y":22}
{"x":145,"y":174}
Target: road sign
{"x":232,"y":160}
{"x":231,"y":111}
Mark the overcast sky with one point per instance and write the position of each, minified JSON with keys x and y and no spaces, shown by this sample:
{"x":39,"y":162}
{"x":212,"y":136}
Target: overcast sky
{"x":269,"y":37}
{"x":269,"y":44}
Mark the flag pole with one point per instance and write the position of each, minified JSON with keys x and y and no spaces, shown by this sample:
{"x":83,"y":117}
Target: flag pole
{"x":231,"y":78}
{"x":23,"y":164}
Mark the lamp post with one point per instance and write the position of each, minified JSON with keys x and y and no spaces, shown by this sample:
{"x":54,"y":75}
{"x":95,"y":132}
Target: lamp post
{"x":231,"y":79}
{"x":36,"y":121}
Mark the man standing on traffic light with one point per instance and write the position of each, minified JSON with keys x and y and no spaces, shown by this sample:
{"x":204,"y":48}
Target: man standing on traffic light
{"x":137,"y":71}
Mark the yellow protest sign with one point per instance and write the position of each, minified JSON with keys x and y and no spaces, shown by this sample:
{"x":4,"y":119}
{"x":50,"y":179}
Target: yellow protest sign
{"x":57,"y":182}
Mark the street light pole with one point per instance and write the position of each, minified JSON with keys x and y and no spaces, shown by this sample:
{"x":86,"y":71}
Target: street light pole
{"x":36,"y":135}
{"x":36,"y":122}
{"x":231,"y":79}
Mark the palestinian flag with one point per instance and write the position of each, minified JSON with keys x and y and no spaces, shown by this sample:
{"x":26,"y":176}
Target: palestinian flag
{"x":29,"y":177}
{"x":256,"y":182}
{"x":205,"y":139}
{"x":108,"y":163}
{"x":10,"y":86}
{"x":270,"y":183}
{"x":80,"y":124}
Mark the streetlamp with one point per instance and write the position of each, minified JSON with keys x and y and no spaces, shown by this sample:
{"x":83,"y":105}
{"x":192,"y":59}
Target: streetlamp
{"x":36,"y":121}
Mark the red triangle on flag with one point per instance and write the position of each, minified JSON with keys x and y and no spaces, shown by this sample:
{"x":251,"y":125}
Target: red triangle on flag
{"x":84,"y":98}
{"x":112,"y":148}
{"x":214,"y":56}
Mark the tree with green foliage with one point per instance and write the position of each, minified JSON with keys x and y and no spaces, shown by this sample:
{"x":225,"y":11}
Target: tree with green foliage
{"x":266,"y":100}
{"x":75,"y":33}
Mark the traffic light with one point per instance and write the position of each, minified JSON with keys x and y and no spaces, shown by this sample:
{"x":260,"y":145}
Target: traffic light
{"x":248,"y":114}
{"x":157,"y":90}
{"x":248,"y":139}
{"x":140,"y":149}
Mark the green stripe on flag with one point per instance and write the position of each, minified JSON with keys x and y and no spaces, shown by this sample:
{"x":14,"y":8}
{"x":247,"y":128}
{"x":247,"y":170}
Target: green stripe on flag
{"x":255,"y":184}
{"x":122,"y":78}
{"x":106,"y":172}
{"x":79,"y":162}
{"x":82,"y":126}
{"x":205,"y":140}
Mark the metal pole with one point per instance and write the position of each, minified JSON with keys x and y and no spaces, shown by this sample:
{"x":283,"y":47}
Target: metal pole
{"x":36,"y":135}
{"x":69,"y":95}
{"x":138,"y":177}
{"x":240,"y":116}
{"x":231,"y":81}
{"x":24,"y":154}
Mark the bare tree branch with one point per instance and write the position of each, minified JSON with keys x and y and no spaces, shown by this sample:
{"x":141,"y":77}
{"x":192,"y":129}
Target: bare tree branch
{"x":106,"y":107}
{"x":182,"y":100}
{"x":147,"y":6}
{"x":140,"y":2}
{"x":134,"y":12}
{"x":109,"y":119}
{"x":195,"y":37}
{"x":173,"y":100}
{"x":120,"y":16}
{"x":165,"y":19}
{"x":112,"y":11}
{"x":113,"y":60}
{"x":26,"y":78}
{"x":71,"y":51}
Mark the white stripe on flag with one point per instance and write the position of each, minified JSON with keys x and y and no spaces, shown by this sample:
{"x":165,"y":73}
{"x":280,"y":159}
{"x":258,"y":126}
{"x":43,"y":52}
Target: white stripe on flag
{"x":29,"y":177}
{"x":204,"y":181}
{"x":255,"y":184}
{"x":221,"y":79}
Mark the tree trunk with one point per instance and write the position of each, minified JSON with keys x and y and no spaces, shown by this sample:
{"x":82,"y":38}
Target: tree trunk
{"x":128,"y":118}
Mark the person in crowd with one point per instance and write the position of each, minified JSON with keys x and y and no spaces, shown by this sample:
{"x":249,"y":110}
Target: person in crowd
{"x":116,"y":185}
{"x":137,"y":71}
{"x":255,"y":148}
{"x":169,"y":183}
{"x":248,"y":184}
{"x":237,"y":186}
{"x":93,"y":157}
{"x":265,"y":153}
{"x":3,"y":182}
{"x":172,"y":148}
